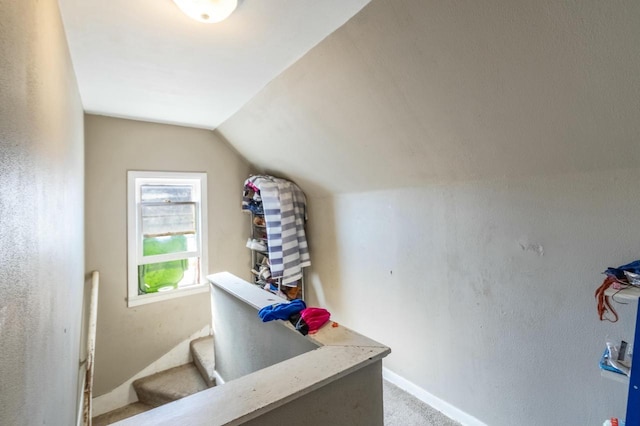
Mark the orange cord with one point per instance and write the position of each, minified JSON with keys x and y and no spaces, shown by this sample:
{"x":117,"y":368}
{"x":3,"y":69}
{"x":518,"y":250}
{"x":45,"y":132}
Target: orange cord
{"x":604,"y":305}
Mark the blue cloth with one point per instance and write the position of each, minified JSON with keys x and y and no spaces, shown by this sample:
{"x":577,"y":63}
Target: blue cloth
{"x":281,"y":311}
{"x":619,"y":271}
{"x":255,"y":207}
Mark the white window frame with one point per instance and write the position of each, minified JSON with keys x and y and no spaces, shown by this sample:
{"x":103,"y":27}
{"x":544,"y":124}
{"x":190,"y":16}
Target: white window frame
{"x":134,"y":240}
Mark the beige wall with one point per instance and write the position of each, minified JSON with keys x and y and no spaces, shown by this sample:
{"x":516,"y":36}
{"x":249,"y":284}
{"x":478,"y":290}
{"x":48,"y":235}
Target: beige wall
{"x":472,"y":168}
{"x":129,"y":339}
{"x":418,"y":92}
{"x":41,"y":218}
{"x":480,"y":288}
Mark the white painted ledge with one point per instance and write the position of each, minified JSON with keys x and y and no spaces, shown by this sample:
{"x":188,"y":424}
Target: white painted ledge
{"x":247,"y":292}
{"x":143,"y":299}
{"x":340,"y":352}
{"x":616,"y":377}
{"x":629,"y":293}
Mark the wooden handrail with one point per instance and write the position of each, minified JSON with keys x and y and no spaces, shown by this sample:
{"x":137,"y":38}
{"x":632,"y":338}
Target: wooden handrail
{"x":91,"y":348}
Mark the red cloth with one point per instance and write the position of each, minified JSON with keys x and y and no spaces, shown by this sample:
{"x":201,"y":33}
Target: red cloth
{"x":315,"y":318}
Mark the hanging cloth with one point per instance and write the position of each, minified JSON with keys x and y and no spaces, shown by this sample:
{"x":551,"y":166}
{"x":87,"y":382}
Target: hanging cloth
{"x":285,"y":213}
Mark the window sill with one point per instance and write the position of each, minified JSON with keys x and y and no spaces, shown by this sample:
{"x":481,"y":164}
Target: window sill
{"x":143,"y":299}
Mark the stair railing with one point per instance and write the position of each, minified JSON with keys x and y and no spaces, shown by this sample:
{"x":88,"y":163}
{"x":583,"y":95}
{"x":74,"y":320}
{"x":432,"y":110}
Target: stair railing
{"x":91,"y":348}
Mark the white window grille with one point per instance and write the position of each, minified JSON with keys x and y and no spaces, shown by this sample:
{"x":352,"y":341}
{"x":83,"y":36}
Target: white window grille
{"x":167,"y":235}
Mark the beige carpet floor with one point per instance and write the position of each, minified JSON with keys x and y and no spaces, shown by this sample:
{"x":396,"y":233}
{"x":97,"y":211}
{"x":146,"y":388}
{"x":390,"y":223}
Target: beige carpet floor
{"x":403,"y":409}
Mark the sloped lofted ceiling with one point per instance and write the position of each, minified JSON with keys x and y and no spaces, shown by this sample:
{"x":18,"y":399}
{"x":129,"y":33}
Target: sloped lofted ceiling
{"x":417,"y":92}
{"x":144,"y":59}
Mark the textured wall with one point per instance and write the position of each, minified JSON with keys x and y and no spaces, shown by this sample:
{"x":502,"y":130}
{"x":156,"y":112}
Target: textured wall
{"x":472,"y":167}
{"x":129,"y":339}
{"x":41,"y":218}
{"x":484,"y":290}
{"x":414,"y":92}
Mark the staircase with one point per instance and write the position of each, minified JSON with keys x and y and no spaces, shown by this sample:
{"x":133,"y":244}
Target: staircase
{"x":169,"y":385}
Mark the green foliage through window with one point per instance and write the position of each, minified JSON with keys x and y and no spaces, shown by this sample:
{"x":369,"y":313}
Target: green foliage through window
{"x":162,"y":276}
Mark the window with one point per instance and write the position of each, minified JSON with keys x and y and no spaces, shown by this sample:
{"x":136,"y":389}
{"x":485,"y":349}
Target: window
{"x":167,"y":235}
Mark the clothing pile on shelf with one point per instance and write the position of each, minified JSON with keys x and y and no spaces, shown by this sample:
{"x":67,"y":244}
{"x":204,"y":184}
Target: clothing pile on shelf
{"x":279,"y":212}
{"x":305,"y":320}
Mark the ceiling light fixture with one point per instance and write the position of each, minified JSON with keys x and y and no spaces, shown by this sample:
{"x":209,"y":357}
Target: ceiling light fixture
{"x":207,"y":11}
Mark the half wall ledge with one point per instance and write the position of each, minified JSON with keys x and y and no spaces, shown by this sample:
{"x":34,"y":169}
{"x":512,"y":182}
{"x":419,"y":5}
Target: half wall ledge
{"x":338,"y":382}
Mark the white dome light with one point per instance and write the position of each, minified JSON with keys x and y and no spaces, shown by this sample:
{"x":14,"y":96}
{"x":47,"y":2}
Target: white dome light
{"x":207,"y":11}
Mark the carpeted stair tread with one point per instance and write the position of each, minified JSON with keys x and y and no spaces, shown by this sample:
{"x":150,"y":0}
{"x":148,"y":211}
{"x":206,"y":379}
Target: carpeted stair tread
{"x":169,"y":385}
{"x":120,"y":414}
{"x":204,"y":358}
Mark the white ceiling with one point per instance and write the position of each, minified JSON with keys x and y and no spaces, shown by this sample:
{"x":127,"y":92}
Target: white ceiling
{"x":145,"y":59}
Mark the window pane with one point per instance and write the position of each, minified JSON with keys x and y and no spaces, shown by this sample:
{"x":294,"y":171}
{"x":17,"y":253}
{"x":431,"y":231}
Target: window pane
{"x":166,"y":276}
{"x":169,"y":244}
{"x":169,"y":219}
{"x":163,"y":193}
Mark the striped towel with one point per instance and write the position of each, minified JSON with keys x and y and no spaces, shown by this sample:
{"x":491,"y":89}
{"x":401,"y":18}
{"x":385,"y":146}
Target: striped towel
{"x":285,"y":213}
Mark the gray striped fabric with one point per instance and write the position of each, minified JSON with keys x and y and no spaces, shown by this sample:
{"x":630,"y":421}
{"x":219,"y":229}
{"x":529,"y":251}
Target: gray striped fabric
{"x":285,"y":213}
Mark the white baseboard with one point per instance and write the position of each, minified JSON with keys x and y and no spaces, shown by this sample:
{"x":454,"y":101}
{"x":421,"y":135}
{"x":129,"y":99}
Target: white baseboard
{"x":444,"y":407}
{"x":124,"y":394}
